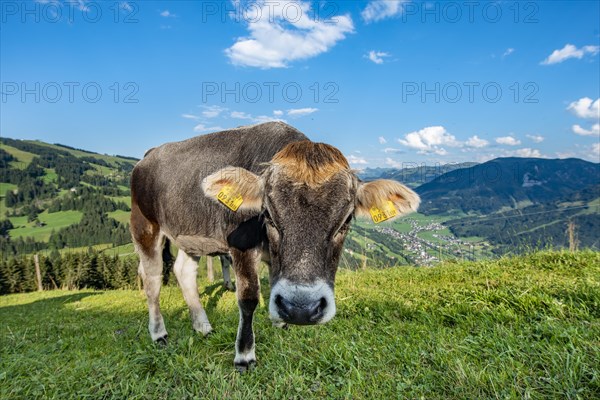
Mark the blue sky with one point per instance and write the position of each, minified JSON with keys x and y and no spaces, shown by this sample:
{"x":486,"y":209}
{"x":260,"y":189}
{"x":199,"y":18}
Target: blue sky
{"x":387,"y":82}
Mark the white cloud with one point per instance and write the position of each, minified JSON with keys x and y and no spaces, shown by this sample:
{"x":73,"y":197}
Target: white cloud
{"x":392,"y":150}
{"x":377,"y":56}
{"x":476,"y":142}
{"x":565,"y":154}
{"x":301,"y":112}
{"x":508,"y":52}
{"x":126,"y":6}
{"x":393,"y":163}
{"x":258,"y":119}
{"x":527,"y":152}
{"x":483,"y":157}
{"x":594,"y":131}
{"x":167,"y":14}
{"x":283,"y":31}
{"x":382,"y":140}
{"x":355,"y":160}
{"x":277,"y":113}
{"x":596,"y":151}
{"x":569,"y":51}
{"x":240,"y":115}
{"x":535,"y":138}
{"x":585,"y":108}
{"x":508,"y":141}
{"x":204,"y":128}
{"x":190,"y":116}
{"x":430,"y":140}
{"x":377,"y":10}
{"x":212,"y":111}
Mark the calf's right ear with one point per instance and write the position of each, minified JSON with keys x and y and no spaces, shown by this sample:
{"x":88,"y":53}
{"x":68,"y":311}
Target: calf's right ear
{"x":236,"y":188}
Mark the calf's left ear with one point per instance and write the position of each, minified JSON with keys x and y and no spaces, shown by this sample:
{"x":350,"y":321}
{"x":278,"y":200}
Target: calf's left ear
{"x":236,"y":188}
{"x":373,"y":197}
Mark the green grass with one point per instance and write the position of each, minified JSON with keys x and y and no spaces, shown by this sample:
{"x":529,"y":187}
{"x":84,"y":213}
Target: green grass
{"x":123,"y":199}
{"x":23,"y":157}
{"x":54,"y":221}
{"x":513,"y":328}
{"x":51,"y":175}
{"x":4,"y":187}
{"x":120,"y":215}
{"x":77,"y":153}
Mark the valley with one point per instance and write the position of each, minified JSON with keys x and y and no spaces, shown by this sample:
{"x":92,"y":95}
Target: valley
{"x":57,"y":198}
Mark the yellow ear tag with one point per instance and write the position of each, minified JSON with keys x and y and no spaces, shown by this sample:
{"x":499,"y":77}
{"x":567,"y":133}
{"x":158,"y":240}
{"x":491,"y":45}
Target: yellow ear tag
{"x":231,"y":199}
{"x":383,"y":213}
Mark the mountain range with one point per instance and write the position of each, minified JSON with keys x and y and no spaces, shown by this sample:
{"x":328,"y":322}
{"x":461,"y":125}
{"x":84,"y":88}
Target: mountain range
{"x":56,"y":197}
{"x":507,"y":183}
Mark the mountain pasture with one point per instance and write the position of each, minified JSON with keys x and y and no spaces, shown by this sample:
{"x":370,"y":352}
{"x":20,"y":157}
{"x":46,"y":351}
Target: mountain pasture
{"x":524,"y":327}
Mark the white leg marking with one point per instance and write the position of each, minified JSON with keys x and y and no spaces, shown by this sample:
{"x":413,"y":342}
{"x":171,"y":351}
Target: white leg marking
{"x":247,"y":357}
{"x":150,"y":270}
{"x":186,"y":271}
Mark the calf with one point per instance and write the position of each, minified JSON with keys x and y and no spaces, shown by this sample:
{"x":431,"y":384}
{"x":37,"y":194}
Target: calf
{"x":257,"y":192}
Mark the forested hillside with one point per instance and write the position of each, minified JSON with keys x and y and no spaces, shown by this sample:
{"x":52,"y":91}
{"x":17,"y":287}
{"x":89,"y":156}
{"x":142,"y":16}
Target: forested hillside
{"x":56,"y":197}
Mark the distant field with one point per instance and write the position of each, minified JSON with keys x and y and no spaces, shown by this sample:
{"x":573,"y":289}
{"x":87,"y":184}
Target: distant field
{"x":77,"y":153}
{"x":519,"y":328}
{"x":50,"y":176}
{"x":108,"y":248}
{"x":4,"y":187}
{"x":123,"y":199}
{"x":23,"y":157}
{"x":54,"y":221}
{"x":120,"y":215}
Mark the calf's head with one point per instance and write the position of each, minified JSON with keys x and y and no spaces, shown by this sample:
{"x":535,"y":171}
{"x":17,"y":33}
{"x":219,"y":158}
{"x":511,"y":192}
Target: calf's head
{"x":307,"y":197}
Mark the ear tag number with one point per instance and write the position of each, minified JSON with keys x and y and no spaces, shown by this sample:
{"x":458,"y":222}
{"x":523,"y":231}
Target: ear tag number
{"x":231,"y":199}
{"x":384,"y":212}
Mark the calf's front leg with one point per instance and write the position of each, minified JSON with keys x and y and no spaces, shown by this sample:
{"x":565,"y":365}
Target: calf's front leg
{"x":245,"y":265}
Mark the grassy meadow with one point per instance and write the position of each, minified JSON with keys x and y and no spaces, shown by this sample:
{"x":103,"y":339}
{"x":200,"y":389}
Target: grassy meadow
{"x":525,"y":327}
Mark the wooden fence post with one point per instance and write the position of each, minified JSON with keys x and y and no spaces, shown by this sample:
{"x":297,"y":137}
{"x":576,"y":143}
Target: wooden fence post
{"x":38,"y":273}
{"x":210,"y":273}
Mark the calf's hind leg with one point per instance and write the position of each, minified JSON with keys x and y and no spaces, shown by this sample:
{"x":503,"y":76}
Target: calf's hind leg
{"x":186,"y":270}
{"x":149,"y":242}
{"x":225,"y":267}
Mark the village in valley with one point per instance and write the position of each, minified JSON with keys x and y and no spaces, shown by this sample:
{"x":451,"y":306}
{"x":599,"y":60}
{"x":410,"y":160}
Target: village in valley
{"x":420,"y":240}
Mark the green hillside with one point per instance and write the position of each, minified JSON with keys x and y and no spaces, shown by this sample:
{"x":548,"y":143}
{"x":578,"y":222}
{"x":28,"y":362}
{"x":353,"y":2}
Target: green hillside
{"x":50,"y":188}
{"x":54,"y":197}
{"x":524,"y":327}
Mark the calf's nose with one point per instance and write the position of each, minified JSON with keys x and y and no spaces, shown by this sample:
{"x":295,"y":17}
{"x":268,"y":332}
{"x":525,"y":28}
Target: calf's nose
{"x":307,"y":313}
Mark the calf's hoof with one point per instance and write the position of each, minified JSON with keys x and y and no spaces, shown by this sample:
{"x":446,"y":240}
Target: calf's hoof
{"x":204,"y":328}
{"x":162,"y":341}
{"x":243,"y":366}
{"x":229,"y":286}
{"x":280,"y":325}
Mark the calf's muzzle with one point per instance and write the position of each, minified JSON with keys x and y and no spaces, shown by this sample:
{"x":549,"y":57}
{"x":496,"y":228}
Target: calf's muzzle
{"x":301,"y":304}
